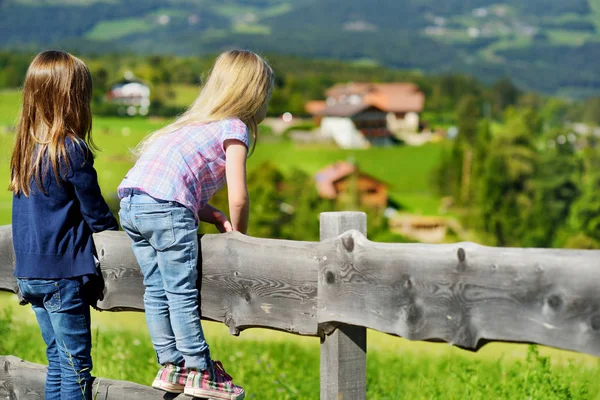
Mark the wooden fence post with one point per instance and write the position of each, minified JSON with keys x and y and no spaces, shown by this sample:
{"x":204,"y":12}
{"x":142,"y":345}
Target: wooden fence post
{"x":344,"y":352}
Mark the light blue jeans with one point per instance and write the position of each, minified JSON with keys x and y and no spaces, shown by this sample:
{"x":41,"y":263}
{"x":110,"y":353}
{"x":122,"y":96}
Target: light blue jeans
{"x":64,"y":319}
{"x":165,"y":244}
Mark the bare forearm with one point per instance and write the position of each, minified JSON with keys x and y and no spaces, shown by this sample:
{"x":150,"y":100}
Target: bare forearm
{"x":239,"y":213}
{"x":207,"y":214}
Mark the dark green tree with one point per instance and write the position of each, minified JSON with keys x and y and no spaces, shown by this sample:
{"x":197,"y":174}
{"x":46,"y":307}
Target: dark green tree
{"x":506,"y":196}
{"x":556,"y":187}
{"x":585,"y":216}
{"x":468,"y":113}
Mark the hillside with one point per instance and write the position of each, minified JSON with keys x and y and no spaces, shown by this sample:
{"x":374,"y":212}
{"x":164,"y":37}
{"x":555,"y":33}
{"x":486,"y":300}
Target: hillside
{"x":545,"y":45}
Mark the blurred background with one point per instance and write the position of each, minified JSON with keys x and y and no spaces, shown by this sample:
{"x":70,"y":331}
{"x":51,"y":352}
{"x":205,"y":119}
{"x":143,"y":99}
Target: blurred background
{"x":444,"y":121}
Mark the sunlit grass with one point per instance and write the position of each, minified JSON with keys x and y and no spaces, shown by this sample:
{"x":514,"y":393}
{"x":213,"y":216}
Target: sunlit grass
{"x":278,"y":365}
{"x":115,"y":29}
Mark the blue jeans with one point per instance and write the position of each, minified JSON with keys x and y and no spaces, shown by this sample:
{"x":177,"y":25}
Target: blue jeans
{"x":165,"y":244}
{"x":64,"y":319}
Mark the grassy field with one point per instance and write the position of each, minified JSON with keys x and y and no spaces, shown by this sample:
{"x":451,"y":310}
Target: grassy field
{"x":110,"y":30}
{"x":406,"y":170}
{"x":275,"y":365}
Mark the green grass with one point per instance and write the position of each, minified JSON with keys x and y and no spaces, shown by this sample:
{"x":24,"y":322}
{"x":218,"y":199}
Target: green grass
{"x":595,"y":6}
{"x":111,"y":30}
{"x":252,"y":29}
{"x":233,"y":12}
{"x":171,"y":12}
{"x":10,"y":102}
{"x":276,"y":10}
{"x":60,"y":2}
{"x":489,"y":53}
{"x":184,"y":95}
{"x":276,"y":365}
{"x":568,"y":37}
{"x":407,"y":170}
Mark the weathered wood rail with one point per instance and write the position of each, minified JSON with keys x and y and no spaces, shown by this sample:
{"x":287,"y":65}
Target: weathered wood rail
{"x":462,"y":293}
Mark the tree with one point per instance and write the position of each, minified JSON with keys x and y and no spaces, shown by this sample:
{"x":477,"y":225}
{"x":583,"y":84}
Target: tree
{"x":506,"y":196}
{"x":468,"y":113}
{"x":503,"y":94}
{"x":585,"y":216}
{"x":556,"y":187}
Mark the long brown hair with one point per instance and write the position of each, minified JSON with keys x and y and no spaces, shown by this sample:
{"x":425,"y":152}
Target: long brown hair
{"x":238,"y":85}
{"x":56,"y":105}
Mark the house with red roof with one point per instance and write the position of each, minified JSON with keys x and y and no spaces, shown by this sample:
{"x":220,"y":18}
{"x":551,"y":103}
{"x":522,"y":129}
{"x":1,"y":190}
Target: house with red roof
{"x":358,"y":115}
{"x":341,"y":180}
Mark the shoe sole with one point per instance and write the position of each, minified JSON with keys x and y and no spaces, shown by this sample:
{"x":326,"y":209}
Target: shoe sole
{"x":213,"y":394}
{"x":167,"y":386}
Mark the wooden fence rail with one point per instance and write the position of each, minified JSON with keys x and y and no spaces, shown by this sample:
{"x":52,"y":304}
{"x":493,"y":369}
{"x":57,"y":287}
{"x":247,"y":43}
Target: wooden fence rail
{"x":462,"y":293}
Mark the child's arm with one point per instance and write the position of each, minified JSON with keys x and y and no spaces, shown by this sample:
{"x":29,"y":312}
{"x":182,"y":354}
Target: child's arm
{"x":84,"y":179}
{"x":216,"y":217}
{"x":235,"y":171}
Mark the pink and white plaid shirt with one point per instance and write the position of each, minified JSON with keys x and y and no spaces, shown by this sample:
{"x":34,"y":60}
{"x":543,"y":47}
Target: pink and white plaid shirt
{"x":187,"y":165}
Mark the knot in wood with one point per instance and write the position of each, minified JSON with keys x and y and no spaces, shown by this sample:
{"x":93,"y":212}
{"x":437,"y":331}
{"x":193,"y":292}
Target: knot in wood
{"x":247,"y":297}
{"x":413,"y":314}
{"x":348,"y":243}
{"x":554,"y":301}
{"x":330,"y":277}
{"x":595,"y":323}
{"x":462,"y":256}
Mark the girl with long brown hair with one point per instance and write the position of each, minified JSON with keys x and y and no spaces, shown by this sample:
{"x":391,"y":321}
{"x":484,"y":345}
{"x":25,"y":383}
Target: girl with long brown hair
{"x":57,"y":205}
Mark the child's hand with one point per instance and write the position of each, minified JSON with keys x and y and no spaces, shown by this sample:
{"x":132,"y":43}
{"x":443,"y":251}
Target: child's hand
{"x":216,"y":217}
{"x":221,"y":222}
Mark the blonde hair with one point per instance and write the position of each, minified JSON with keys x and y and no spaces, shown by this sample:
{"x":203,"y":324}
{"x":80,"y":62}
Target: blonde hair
{"x":56,"y":105}
{"x":238,"y":85}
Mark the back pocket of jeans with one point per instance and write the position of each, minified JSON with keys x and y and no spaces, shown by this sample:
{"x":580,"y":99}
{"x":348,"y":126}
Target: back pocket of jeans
{"x":52,"y":300}
{"x":157,"y":228}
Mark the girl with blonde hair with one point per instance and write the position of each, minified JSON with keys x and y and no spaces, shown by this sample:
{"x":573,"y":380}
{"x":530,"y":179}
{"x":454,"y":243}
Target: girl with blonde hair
{"x":164,"y":196}
{"x":57,"y":205}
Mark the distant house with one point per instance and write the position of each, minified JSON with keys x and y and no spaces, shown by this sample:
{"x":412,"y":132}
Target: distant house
{"x":134,"y":96}
{"x":344,"y":179}
{"x":354,"y":126}
{"x":422,"y":228}
{"x":376,"y":110}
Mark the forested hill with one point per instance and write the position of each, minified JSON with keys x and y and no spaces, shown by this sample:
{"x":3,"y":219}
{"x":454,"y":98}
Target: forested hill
{"x":546,"y":45}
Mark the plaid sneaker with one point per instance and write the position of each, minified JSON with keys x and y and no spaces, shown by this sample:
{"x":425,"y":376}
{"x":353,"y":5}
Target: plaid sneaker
{"x":171,"y":378}
{"x":213,"y":384}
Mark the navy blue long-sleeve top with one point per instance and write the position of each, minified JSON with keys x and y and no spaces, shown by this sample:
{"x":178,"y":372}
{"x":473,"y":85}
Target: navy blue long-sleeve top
{"x":52,"y":228}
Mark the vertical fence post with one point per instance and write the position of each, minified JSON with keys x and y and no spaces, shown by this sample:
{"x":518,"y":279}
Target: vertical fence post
{"x":344,"y":352}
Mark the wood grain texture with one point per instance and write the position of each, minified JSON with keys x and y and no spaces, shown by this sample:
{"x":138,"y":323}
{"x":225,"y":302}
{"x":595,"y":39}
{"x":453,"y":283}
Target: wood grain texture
{"x":343,"y":351}
{"x":7,"y":260}
{"x":246,"y":282}
{"x":22,"y":380}
{"x":461,"y":293}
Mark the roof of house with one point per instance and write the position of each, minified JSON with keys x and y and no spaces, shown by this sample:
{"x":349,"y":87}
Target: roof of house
{"x":330,"y":174}
{"x":397,"y":97}
{"x":129,"y":89}
{"x":346,"y":110}
{"x":326,"y":177}
{"x":315,"y":107}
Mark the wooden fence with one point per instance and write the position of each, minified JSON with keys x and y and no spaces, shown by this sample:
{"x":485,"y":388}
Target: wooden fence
{"x":464,"y":294}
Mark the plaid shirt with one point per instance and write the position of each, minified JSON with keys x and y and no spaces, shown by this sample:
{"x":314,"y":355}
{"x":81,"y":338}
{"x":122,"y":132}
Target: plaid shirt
{"x":186,"y":166}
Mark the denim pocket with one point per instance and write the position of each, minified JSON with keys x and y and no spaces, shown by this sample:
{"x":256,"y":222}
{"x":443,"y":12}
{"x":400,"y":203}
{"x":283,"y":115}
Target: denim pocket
{"x":52,"y":300}
{"x":157,"y":228}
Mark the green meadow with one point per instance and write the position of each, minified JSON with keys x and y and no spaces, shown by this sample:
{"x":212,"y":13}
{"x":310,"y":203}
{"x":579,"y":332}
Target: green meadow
{"x":276,"y":365}
{"x":406,"y":170}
